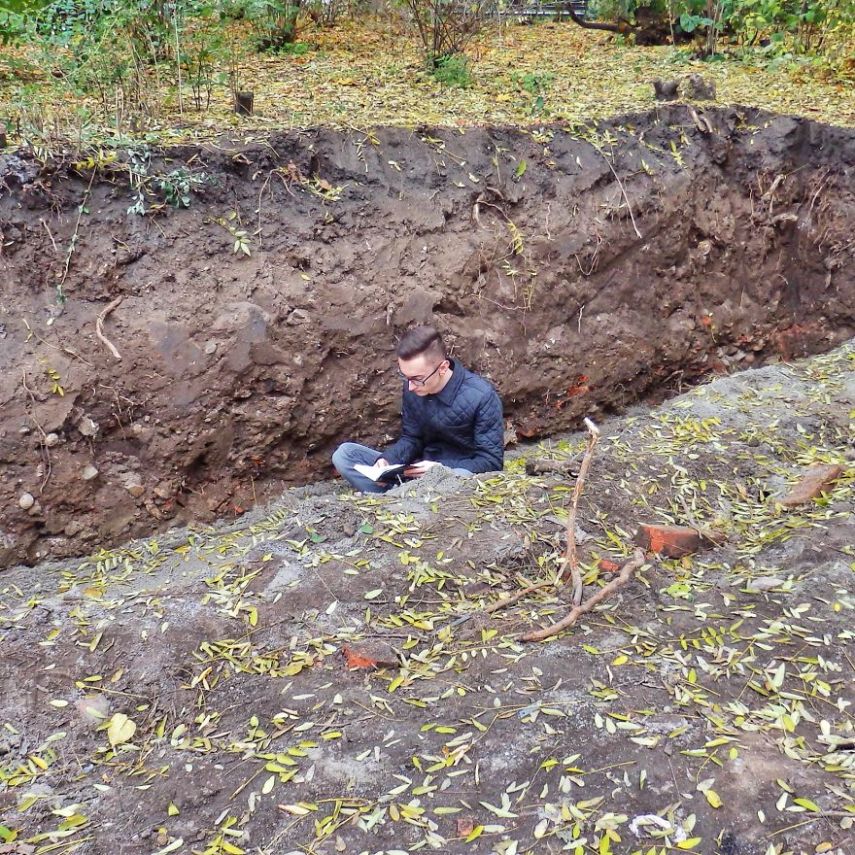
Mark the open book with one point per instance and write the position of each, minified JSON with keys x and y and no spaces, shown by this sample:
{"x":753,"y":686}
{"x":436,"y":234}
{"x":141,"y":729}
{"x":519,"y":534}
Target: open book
{"x":381,"y":473}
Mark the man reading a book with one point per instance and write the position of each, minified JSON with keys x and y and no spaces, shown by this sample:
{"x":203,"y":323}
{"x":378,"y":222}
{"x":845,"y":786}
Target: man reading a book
{"x":449,"y":415}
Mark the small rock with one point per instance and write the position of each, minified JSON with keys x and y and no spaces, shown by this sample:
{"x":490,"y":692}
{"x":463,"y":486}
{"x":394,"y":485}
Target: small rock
{"x":93,"y":708}
{"x":297,"y":316}
{"x":26,"y":501}
{"x":35,"y":510}
{"x":816,"y":480}
{"x":764,"y":583}
{"x":164,"y":490}
{"x":210,"y":347}
{"x":162,"y":838}
{"x":51,"y":440}
{"x":89,"y":472}
{"x":87,"y":426}
{"x":132,"y":483}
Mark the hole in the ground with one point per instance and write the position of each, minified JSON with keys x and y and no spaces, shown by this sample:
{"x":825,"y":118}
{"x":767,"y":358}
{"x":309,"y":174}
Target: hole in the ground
{"x":580,"y":271}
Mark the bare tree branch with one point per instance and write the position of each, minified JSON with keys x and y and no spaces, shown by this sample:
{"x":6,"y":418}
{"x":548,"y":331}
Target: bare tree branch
{"x":626,"y":573}
{"x":571,"y":559}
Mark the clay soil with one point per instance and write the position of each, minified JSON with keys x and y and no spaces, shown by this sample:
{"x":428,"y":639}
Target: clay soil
{"x":205,"y":690}
{"x":581,"y":269}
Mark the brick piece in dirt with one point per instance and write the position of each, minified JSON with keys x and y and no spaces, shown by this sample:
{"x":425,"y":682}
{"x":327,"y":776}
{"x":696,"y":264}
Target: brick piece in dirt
{"x":370,"y":654}
{"x":816,"y":480}
{"x":672,"y":541}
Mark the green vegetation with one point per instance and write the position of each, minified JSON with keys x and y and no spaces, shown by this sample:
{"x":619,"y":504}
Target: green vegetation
{"x":87,"y":69}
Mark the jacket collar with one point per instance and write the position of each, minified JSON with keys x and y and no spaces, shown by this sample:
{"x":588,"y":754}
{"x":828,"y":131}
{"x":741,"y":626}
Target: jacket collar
{"x":449,"y":391}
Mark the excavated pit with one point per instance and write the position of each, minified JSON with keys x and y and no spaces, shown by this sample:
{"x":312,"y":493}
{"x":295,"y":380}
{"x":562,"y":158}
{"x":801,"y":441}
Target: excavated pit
{"x":578,"y":284}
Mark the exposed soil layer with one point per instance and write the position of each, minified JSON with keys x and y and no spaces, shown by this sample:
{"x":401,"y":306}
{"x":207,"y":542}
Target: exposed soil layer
{"x":580,"y":269}
{"x":205,"y":691}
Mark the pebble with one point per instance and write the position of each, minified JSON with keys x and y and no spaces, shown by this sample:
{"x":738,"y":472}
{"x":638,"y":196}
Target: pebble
{"x":210,"y":347}
{"x":87,"y":426}
{"x":89,"y":472}
{"x":93,"y":708}
{"x":51,"y":440}
{"x":26,"y":501}
{"x":164,"y":490}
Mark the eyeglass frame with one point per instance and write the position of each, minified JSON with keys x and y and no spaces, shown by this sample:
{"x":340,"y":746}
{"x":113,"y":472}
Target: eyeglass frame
{"x":421,"y":382}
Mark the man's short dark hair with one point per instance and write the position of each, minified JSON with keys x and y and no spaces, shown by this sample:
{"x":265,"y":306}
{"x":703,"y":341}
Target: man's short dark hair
{"x":419,"y":340}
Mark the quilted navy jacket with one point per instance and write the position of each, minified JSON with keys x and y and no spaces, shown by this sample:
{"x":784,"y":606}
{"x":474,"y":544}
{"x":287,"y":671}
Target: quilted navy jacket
{"x":460,"y":427}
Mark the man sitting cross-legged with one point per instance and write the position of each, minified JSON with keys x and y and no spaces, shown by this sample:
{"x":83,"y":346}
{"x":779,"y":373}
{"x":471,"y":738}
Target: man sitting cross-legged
{"x":449,"y":415}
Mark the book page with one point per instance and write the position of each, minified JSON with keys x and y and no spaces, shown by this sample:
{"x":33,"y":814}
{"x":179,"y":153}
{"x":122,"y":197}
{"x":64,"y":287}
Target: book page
{"x":378,"y":473}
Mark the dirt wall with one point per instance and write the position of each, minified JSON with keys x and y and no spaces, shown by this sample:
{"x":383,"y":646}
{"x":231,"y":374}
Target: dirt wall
{"x":579,"y":269}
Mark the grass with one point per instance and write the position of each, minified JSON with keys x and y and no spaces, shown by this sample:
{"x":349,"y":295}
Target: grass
{"x":362,"y":75}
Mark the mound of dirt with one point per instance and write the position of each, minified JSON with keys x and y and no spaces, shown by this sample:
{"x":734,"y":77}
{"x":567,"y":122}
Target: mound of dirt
{"x":183,"y":363}
{"x":325,"y":677}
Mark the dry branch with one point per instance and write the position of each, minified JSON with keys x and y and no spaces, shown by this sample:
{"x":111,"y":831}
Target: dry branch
{"x":571,"y":559}
{"x":99,"y":327}
{"x":622,"y":190}
{"x":626,"y":573}
{"x":45,"y":448}
{"x":515,"y":598}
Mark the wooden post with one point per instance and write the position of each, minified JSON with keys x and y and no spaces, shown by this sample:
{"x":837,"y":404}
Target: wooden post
{"x":244,"y":103}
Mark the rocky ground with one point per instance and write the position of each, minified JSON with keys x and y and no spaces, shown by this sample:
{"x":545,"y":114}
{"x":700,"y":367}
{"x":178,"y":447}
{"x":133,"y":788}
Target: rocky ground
{"x":183,"y":332}
{"x":322,"y":675}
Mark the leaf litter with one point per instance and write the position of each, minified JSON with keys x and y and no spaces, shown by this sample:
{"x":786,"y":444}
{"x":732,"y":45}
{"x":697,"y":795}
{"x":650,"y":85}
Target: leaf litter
{"x":190,"y":693}
{"x":358,"y":76}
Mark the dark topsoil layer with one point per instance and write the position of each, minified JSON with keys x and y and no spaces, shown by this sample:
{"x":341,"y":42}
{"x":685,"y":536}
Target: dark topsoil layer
{"x":577,"y":283}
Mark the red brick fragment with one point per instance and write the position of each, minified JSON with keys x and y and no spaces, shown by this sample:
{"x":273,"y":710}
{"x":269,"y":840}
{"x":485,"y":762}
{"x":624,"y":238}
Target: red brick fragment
{"x":816,"y":480}
{"x":672,"y":541}
{"x":608,"y":566}
{"x":369,"y":655}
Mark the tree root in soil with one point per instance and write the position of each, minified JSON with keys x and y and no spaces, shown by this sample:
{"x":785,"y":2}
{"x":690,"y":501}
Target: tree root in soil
{"x":570,"y":564}
{"x":626,"y":573}
{"x":99,"y":327}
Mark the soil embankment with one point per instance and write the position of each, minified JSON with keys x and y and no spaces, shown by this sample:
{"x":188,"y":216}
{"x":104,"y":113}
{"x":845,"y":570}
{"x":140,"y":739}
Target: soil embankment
{"x":336,"y":673}
{"x":579,"y":269}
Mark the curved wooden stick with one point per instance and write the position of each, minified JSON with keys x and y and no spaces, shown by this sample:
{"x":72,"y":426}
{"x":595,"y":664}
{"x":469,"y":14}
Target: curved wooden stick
{"x":571,"y":559}
{"x":99,"y":327}
{"x":576,"y":612}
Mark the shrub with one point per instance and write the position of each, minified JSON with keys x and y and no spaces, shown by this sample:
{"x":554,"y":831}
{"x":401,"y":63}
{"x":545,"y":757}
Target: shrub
{"x":445,"y":27}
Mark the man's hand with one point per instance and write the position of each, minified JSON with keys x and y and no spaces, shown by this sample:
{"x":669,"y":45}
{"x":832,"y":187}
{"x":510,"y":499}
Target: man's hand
{"x":381,"y":461}
{"x":416,"y":470}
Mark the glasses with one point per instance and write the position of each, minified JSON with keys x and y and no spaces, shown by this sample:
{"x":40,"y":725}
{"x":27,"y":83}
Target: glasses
{"x":420,"y":381}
